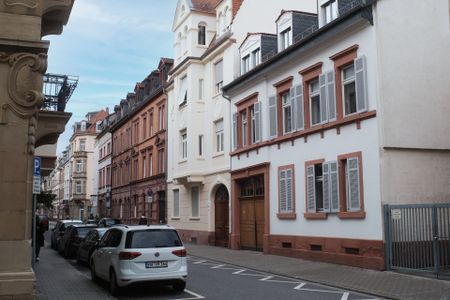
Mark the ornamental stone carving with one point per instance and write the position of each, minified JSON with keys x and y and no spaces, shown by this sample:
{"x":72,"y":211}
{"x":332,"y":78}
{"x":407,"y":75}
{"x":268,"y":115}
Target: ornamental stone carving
{"x":24,"y":83}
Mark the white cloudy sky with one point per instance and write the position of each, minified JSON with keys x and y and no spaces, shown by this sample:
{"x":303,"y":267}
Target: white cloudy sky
{"x":110,"y":45}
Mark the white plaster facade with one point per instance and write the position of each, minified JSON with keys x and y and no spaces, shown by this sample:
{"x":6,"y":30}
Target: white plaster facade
{"x":103,"y":164}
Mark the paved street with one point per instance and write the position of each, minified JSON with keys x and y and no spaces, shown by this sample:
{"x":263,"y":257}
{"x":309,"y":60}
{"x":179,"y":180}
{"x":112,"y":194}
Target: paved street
{"x":59,"y":278}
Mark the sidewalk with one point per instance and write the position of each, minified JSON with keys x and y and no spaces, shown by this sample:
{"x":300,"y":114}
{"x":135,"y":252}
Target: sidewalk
{"x":382,"y":284}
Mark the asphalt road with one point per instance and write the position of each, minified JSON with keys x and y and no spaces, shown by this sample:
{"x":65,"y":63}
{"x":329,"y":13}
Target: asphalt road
{"x":59,"y":278}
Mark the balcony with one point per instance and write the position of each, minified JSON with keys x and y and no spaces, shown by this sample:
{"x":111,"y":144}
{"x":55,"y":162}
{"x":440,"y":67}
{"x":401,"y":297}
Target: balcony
{"x":79,"y":154}
{"x":51,"y":117}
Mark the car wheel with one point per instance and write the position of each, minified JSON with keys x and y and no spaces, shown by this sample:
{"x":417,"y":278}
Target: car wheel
{"x":113,"y":287}
{"x":94,"y":277}
{"x":179,"y":286}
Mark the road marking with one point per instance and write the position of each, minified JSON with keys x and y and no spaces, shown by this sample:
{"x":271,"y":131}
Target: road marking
{"x":239,"y":272}
{"x":217,"y":267}
{"x":345,"y":296}
{"x":197,"y":296}
{"x":298,"y":287}
{"x":266,"y":278}
{"x":199,"y":262}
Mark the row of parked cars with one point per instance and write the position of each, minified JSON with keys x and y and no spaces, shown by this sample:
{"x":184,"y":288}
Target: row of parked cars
{"x":124,"y":254}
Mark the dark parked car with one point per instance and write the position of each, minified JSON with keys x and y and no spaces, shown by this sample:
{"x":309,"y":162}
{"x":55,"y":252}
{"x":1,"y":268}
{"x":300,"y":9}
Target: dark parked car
{"x":108,"y":222}
{"x":87,"y":246}
{"x":73,"y":236}
{"x":58,"y":231}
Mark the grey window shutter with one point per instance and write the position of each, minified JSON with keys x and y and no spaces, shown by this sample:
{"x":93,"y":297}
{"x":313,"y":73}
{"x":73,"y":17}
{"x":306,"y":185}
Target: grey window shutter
{"x":289,"y":191}
{"x":353,"y":199}
{"x":273,"y":119}
{"x":293,"y":108}
{"x":299,"y":117}
{"x":326,"y":186}
{"x":234,"y":130}
{"x":331,"y":96}
{"x":258,"y":128}
{"x":323,"y":98}
{"x":283,"y":191}
{"x":361,"y":84}
{"x":334,"y":186}
{"x":311,"y":189}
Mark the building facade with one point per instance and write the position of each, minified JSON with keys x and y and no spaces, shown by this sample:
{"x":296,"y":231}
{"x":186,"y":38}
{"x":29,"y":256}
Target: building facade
{"x":206,"y":47}
{"x":139,"y":151}
{"x":83,"y":165}
{"x":310,"y":164}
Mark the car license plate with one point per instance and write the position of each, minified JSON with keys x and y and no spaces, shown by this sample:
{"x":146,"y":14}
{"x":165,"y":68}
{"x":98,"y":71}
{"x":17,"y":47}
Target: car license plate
{"x":156,"y":264}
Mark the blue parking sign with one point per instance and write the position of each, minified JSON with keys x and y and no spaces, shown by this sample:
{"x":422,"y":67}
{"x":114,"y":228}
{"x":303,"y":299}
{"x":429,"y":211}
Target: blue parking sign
{"x":37,"y":166}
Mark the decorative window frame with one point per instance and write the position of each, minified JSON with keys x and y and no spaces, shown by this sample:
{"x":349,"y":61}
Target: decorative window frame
{"x":287,"y":215}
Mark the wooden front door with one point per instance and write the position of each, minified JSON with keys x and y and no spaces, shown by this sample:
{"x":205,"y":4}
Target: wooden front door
{"x":252,"y":223}
{"x":221,"y":217}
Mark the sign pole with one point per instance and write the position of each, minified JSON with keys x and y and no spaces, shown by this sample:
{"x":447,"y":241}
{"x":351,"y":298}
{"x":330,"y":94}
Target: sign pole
{"x":36,"y":190}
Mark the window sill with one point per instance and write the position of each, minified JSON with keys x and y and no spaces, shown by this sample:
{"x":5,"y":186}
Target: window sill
{"x":200,"y":158}
{"x":287,"y":216}
{"x":194,"y":219}
{"x":218,"y":154}
{"x":182,"y":161}
{"x":352,"y":215}
{"x":182,"y":105}
{"x":175,"y":218}
{"x":316,"y":216}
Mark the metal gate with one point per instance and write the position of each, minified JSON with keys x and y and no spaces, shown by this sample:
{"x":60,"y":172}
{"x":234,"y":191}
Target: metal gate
{"x":417,"y":238}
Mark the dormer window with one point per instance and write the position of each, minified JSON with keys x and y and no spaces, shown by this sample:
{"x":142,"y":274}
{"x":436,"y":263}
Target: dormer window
{"x":285,"y":38}
{"x":330,"y":10}
{"x":98,"y":126}
{"x":83,"y":126}
{"x":245,"y":64}
{"x":256,"y":57}
{"x":202,"y":34}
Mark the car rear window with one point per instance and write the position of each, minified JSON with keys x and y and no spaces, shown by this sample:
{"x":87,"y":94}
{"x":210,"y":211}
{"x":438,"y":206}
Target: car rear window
{"x":82,"y":232}
{"x":111,"y":222}
{"x":152,"y":238}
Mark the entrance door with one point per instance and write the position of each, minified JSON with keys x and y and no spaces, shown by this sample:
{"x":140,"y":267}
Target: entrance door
{"x":221,"y":217}
{"x":252,"y":223}
{"x":162,"y":208}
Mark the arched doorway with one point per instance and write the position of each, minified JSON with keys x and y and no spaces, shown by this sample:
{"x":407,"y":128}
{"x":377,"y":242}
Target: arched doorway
{"x":221,"y":209}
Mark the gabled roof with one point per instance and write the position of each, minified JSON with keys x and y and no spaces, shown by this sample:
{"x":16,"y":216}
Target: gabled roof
{"x":207,"y":6}
{"x":249,"y":34}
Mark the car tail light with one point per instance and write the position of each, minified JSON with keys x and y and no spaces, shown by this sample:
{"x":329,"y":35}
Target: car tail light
{"x":180,"y":253}
{"x":129,"y":255}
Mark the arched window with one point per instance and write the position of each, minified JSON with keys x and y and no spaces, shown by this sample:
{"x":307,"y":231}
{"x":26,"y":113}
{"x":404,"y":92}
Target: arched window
{"x":201,"y":34}
{"x":184,"y":41}
{"x":178,"y":46}
{"x":183,"y":10}
{"x":220,"y":23}
{"x":225,"y":18}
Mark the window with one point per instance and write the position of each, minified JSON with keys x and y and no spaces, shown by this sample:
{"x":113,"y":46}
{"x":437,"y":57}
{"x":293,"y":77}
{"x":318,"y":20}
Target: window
{"x":144,"y":167}
{"x":144,"y":127}
{"x":83,"y":126}
{"x":82,"y":145}
{"x":253,"y":124}
{"x":256,"y":57}
{"x":219,"y":136}
{"x":161,"y":117}
{"x":201,"y":34}
{"x":200,"y":145}
{"x":286,"y":189}
{"x":183,"y":91}
{"x":78,"y":187}
{"x":244,"y":128}
{"x":151,"y":124}
{"x":176,"y":204}
{"x":331,"y":11}
{"x":183,"y":144}
{"x":195,"y":204}
{"x":349,"y":89}
{"x":314,"y":98}
{"x":287,"y":112}
{"x":79,"y":166}
{"x":200,"y":89}
{"x":352,"y":184}
{"x":101,"y":153}
{"x":150,"y":164}
{"x":285,"y":38}
{"x":135,"y":171}
{"x":108,"y":175}
{"x":218,"y":76}
{"x":161,"y":166}
{"x":245,"y":64}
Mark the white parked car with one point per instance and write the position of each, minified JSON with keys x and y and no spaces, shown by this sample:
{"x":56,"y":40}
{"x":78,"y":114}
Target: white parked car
{"x":134,"y":254}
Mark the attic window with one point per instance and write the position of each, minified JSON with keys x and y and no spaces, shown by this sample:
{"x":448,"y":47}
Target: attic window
{"x":183,"y":10}
{"x":330,"y":11}
{"x":201,"y":34}
{"x":285,"y":38}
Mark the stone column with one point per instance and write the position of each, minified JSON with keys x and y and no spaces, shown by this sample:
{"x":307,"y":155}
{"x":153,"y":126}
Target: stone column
{"x":23,"y":62}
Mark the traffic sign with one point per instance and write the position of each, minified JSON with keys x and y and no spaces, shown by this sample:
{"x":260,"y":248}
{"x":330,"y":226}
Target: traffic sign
{"x":37,"y":166}
{"x":37,"y":175}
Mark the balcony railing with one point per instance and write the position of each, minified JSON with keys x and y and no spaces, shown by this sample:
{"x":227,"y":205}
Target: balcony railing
{"x":57,"y":91}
